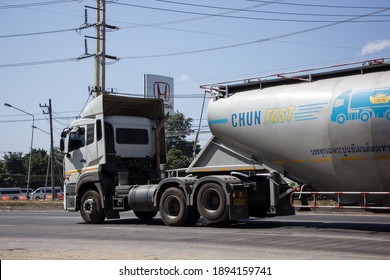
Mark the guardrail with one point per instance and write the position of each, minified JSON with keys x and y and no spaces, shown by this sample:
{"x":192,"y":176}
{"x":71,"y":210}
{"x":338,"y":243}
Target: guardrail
{"x":363,"y":204}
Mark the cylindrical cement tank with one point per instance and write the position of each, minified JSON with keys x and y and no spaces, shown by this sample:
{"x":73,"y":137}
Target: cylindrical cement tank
{"x":333,"y":133}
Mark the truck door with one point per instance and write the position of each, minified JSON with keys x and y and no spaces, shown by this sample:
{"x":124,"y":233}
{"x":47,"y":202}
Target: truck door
{"x":75,"y":160}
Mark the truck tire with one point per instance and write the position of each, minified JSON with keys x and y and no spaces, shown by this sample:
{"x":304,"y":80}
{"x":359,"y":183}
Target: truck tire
{"x":174,"y":211}
{"x":365,"y":116}
{"x":211,"y":203}
{"x":388,"y":115}
{"x":341,"y":119}
{"x":91,"y":209}
{"x":144,"y":215}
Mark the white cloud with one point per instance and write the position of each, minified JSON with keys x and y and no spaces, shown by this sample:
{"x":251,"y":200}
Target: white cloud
{"x":184,"y":77}
{"x":375,"y":46}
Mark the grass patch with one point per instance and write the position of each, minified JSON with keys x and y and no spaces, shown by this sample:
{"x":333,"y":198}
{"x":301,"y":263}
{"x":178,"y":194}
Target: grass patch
{"x":35,"y":204}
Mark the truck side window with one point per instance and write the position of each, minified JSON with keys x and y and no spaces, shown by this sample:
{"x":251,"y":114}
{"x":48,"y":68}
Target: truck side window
{"x":77,"y":139}
{"x":99,"y":130}
{"x":109,"y":138}
{"x":90,"y":133}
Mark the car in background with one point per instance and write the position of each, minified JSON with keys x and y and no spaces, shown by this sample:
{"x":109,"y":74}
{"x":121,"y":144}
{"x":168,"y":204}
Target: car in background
{"x":25,"y":193}
{"x":44,"y":192}
{"x":9,"y":193}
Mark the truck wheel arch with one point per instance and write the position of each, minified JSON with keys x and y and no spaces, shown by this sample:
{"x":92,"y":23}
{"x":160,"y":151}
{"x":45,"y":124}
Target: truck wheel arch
{"x":181,"y":183}
{"x":89,"y":181}
{"x":86,"y":187}
{"x":223,"y":180}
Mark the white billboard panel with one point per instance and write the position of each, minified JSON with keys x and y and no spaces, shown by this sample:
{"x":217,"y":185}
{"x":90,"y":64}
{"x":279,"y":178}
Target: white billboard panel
{"x":160,"y":87}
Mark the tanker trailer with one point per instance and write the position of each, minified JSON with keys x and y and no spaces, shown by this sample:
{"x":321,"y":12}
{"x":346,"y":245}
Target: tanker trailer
{"x":327,"y":130}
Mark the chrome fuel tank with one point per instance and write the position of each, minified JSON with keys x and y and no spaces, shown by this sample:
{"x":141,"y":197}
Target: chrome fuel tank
{"x":333,"y":133}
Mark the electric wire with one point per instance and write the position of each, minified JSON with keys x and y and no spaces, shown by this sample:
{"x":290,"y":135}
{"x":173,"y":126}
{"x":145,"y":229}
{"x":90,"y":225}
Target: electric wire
{"x":39,"y":33}
{"x":319,"y":5}
{"x":35,"y":4}
{"x":32,"y":63}
{"x":263,"y":12}
{"x":260,"y":40}
{"x":241,"y":17}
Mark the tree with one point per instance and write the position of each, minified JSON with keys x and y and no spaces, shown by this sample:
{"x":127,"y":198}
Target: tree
{"x":12,"y":170}
{"x":14,"y":163}
{"x":39,"y":161}
{"x":180,"y":151}
{"x":176,"y":159}
{"x":14,"y":167}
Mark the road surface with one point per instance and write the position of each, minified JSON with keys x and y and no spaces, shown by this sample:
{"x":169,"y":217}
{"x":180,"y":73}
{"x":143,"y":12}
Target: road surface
{"x":63,"y":235}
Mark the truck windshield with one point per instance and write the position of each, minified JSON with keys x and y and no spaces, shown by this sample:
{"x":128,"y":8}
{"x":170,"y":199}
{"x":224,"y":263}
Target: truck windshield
{"x":77,"y":139}
{"x":339,"y":103}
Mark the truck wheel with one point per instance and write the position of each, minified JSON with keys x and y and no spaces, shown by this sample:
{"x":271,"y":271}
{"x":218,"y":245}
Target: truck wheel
{"x":144,"y":215}
{"x":365,"y":116}
{"x":388,"y":115}
{"x":174,"y":211}
{"x":91,"y":209}
{"x":211,"y":202}
{"x":340,"y":119}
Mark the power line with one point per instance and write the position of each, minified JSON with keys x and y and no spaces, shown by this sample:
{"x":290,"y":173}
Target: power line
{"x":206,"y":16}
{"x":261,"y":40}
{"x":36,"y":119}
{"x":238,"y":17}
{"x":32,"y":63}
{"x":262,"y":12}
{"x":35,"y":4}
{"x":39,"y":33}
{"x":319,"y":5}
{"x":202,"y":50}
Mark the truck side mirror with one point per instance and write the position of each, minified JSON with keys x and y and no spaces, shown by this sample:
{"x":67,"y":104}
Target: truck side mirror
{"x":62,"y":144}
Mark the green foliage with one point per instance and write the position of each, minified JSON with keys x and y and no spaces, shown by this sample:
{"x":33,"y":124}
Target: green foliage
{"x":39,"y":161}
{"x":176,"y":159}
{"x":14,"y":169}
{"x":180,"y":150}
{"x":13,"y":162}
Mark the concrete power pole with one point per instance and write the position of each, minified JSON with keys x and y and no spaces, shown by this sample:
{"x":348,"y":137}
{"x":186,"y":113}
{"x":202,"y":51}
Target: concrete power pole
{"x":100,"y":60}
{"x":50,"y":112}
{"x":53,"y":190}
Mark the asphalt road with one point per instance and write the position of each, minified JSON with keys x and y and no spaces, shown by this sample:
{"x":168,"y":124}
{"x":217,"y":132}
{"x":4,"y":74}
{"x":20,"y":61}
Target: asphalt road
{"x":63,"y":235}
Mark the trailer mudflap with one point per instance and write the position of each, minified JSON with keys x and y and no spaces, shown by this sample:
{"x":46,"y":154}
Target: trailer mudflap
{"x":238,"y":207}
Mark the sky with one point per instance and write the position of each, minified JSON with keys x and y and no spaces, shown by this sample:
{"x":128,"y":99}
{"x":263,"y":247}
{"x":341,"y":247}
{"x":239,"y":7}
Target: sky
{"x":195,"y":42}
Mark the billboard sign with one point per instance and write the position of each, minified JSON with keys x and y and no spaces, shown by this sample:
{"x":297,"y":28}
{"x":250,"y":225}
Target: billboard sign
{"x":160,"y":87}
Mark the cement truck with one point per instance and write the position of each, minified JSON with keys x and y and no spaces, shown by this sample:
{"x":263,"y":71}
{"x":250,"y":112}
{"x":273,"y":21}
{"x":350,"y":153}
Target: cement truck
{"x":328,"y":130}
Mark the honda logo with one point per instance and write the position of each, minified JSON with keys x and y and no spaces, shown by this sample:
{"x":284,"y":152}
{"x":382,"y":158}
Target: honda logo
{"x":162,"y":91}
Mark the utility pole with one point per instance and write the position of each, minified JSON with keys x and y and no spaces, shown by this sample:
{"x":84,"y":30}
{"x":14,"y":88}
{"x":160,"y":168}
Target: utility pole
{"x":100,"y":54}
{"x":100,"y":60}
{"x":49,"y":111}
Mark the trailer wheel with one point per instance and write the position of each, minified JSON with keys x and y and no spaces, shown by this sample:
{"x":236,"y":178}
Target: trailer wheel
{"x":174,"y":210}
{"x":144,"y":215}
{"x":211,"y":203}
{"x":91,"y":209}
